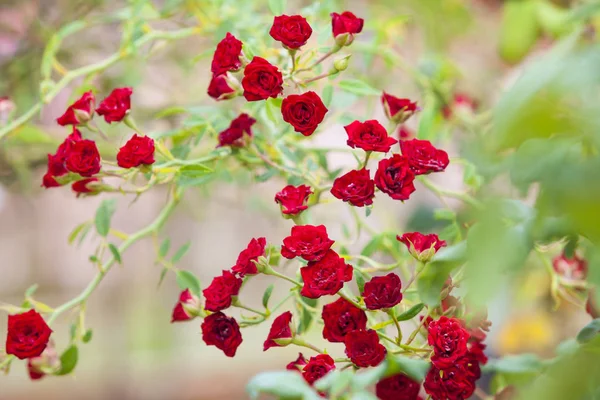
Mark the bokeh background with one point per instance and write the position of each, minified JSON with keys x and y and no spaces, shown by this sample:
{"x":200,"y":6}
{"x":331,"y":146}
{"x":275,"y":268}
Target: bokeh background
{"x":135,"y":353}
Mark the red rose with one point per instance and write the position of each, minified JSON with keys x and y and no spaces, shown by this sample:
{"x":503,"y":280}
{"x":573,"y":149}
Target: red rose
{"x":80,"y":112}
{"x":575,"y":268}
{"x":396,"y":109}
{"x":223,"y":332}
{"x":369,"y":136}
{"x":261,"y":80}
{"x":116,"y":106}
{"x":219,"y":88}
{"x":27,"y":335}
{"x":422,"y":157}
{"x":395,"y":178}
{"x":449,"y":340}
{"x":186,"y":308}
{"x":227,"y":55}
{"x":476,"y":352}
{"x":363,"y":348}
{"x":235,"y":135}
{"x":56,"y":162}
{"x":245,"y":262}
{"x":308,"y":241}
{"x":317,"y":367}
{"x":292,"y":31}
{"x":81,"y":187}
{"x":297,"y":364}
{"x":383,"y":292}
{"x":344,"y":26}
{"x":139,"y":150}
{"x":279,"y":330}
{"x":355,"y":187}
{"x":454,"y":382}
{"x":341,"y":317}
{"x":405,"y":133}
{"x":326,"y":276}
{"x":397,"y":387}
{"x":292,"y":199}
{"x":83,"y":158}
{"x":422,"y":247}
{"x":303,"y":111}
{"x":218,"y":294}
{"x":47,"y":361}
{"x":34,"y":372}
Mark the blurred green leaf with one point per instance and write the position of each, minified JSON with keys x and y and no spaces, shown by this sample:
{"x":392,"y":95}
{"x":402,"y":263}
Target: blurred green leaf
{"x":104,"y":215}
{"x":411,"y":312}
{"x":68,"y":361}
{"x":589,"y":332}
{"x":180,"y":253}
{"x":187,"y":280}
{"x":436,"y":272}
{"x":358,"y":87}
{"x":267,"y":295}
{"x":284,"y":384}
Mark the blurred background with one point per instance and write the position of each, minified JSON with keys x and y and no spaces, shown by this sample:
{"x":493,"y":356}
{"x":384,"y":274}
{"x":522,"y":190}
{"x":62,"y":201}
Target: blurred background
{"x":135,"y":353}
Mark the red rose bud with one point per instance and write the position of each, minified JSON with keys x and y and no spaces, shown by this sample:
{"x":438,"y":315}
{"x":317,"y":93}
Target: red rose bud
{"x":382,"y":292}
{"x":223,"y":332}
{"x":355,"y":187}
{"x":326,"y":276}
{"x":245,"y":262}
{"x":56,"y":162}
{"x":47,"y":362}
{"x":308,"y":241}
{"x":395,"y":178}
{"x":86,"y":187}
{"x":575,"y":268}
{"x":227,"y":55}
{"x":369,"y":136}
{"x":344,"y":26}
{"x":293,"y":199}
{"x":292,"y":31}
{"x":83,"y":158}
{"x":422,"y":247}
{"x":220,"y":89}
{"x":303,"y":111}
{"x":363,"y":348}
{"x":317,"y":367}
{"x":397,"y":387}
{"x":80,"y":112}
{"x":422,"y":157}
{"x":219,"y":293}
{"x":454,"y":382}
{"x":396,"y":109}
{"x":297,"y":364}
{"x":449,"y":339}
{"x":461,"y":103}
{"x":404,"y":133}
{"x":261,"y":80}
{"x":186,"y":308}
{"x":341,"y":317}
{"x":116,"y":106}
{"x":139,"y":150}
{"x":240,"y":129}
{"x":281,"y":329}
{"x":27,"y":335}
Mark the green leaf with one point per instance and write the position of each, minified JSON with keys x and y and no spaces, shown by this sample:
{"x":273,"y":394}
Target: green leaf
{"x":180,"y":253}
{"x":284,"y":384}
{"x":163,"y":273}
{"x":431,"y":280}
{"x":360,"y":279}
{"x":194,"y":171}
{"x":515,"y":364}
{"x":358,"y":87}
{"x":414,"y":368}
{"x":68,"y":361}
{"x":327,"y":95}
{"x":115,"y":252}
{"x":589,"y":332}
{"x":335,"y":382}
{"x":87,"y":336}
{"x":411,"y":312}
{"x":187,"y":280}
{"x":267,"y":296}
{"x":164,"y":248}
{"x":277,"y":7}
{"x":78,"y":229}
{"x":31,"y":290}
{"x":273,"y":109}
{"x":103,"y":216}
{"x":306,"y":315}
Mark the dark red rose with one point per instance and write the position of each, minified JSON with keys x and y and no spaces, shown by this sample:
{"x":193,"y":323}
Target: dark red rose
{"x":227,"y":55}
{"x":422,"y":157}
{"x":453,"y":383}
{"x":245,"y":262}
{"x":239,"y":130}
{"x":297,"y":364}
{"x":449,"y":340}
{"x":355,"y":187}
{"x":223,"y":332}
{"x":462,"y":103}
{"x":317,"y":367}
{"x":292,"y":31}
{"x":422,"y":247}
{"x":48,"y":181}
{"x":303,"y":111}
{"x":261,"y":80}
{"x":139,"y":150}
{"x":404,"y":133}
{"x":56,"y":162}
{"x":83,"y":158}
{"x":279,"y":330}
{"x":80,"y":112}
{"x":575,"y":268}
{"x":476,"y":352}
{"x":116,"y":106}
{"x":369,"y":136}
{"x":220,"y":291}
{"x":341,"y":317}
{"x":307,"y":241}
{"x":395,"y":178}
{"x":382,"y":292}
{"x":27,"y":335}
{"x":396,"y":109}
{"x":293,"y":199}
{"x":363,"y":348}
{"x":397,"y":387}
{"x":34,"y":372}
{"x":81,"y":187}
{"x":326,"y":276}
{"x":344,"y":26}
{"x":219,"y":88}
{"x":186,"y":308}
{"x":47,"y":361}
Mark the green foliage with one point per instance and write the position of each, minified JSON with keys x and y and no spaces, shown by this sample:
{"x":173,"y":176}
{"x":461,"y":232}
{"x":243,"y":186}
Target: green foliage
{"x":187,"y":280}
{"x":104,"y":215}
